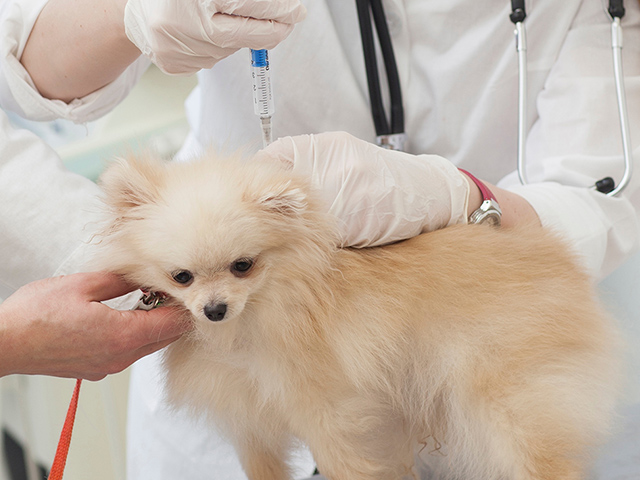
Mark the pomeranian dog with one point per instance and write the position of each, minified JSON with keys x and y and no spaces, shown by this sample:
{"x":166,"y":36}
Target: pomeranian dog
{"x":480,"y":351}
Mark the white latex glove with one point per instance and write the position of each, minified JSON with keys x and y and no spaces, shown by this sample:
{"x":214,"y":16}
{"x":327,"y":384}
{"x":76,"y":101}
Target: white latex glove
{"x":184,"y":36}
{"x":379,"y":196}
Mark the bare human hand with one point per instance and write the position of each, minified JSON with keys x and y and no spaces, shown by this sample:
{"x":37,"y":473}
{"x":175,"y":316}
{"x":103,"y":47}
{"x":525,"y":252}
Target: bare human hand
{"x":58,"y":327}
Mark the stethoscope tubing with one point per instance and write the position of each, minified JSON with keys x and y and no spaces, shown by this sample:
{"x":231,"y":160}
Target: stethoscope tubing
{"x":616,"y":12}
{"x":391,"y":133}
{"x":372,"y":11}
{"x":521,"y":48}
{"x":616,"y":39}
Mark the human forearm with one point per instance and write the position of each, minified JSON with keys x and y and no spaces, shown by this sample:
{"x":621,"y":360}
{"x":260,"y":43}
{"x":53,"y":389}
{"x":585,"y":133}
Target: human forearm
{"x":7,"y":343}
{"x":91,"y":50}
{"x":603,"y":230}
{"x":179,"y":36}
{"x":515,"y":209}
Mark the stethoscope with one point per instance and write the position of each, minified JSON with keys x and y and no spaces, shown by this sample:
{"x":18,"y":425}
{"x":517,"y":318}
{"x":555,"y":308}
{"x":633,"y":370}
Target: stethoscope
{"x":390,"y":133}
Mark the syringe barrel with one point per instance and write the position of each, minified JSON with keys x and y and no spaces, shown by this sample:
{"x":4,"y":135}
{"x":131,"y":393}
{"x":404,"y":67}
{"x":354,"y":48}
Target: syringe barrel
{"x":263,"y":105}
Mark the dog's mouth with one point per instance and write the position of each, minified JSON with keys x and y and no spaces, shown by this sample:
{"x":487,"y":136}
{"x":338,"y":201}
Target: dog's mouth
{"x":150,"y":299}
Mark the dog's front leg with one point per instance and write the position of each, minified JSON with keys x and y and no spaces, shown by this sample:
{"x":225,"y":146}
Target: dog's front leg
{"x":362,"y":447}
{"x":350,"y":464}
{"x":264,"y":458}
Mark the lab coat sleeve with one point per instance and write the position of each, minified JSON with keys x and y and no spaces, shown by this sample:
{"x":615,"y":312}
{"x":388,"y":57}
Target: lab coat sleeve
{"x":48,"y":215}
{"x":575,"y":141}
{"x":18,"y":92}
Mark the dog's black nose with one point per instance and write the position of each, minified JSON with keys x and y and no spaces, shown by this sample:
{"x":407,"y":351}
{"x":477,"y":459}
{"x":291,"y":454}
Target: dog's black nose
{"x":215,"y":311}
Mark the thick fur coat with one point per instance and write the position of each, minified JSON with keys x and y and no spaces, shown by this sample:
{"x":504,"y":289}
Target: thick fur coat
{"x":481,"y":351}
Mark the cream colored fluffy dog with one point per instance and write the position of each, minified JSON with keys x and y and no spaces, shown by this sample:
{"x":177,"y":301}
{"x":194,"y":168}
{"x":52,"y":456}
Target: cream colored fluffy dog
{"x":481,"y":350}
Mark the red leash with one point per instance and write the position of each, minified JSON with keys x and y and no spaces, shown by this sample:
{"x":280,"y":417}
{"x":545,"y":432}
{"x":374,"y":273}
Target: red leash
{"x":148,"y":301}
{"x":60,"y":459}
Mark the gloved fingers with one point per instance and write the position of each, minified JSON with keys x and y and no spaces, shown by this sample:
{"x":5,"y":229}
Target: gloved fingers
{"x":186,"y":65}
{"x":379,"y":196}
{"x":308,"y":153}
{"x":333,"y":161}
{"x":283,"y":11}
{"x":195,"y":54}
{"x":184,"y":36}
{"x":285,"y":149}
{"x":230,"y":31}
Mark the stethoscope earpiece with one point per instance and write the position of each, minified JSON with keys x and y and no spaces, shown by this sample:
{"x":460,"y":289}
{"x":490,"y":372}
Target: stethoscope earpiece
{"x":518,"y":12}
{"x":616,"y":9}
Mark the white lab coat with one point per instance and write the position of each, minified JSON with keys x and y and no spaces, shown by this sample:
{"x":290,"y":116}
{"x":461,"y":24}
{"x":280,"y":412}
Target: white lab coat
{"x":45,"y":211}
{"x":458,"y":70}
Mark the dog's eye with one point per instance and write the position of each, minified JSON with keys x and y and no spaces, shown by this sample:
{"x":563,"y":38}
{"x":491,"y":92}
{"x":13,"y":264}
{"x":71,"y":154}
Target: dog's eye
{"x":241,"y":267}
{"x":182,"y":276}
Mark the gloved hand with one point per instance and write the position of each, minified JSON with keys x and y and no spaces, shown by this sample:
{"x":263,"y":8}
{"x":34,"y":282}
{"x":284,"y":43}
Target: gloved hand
{"x":184,"y":36}
{"x":379,"y":196}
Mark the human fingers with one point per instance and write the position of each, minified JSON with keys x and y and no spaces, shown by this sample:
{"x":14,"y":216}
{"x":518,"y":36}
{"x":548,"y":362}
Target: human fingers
{"x":326,"y":158}
{"x":285,"y":149}
{"x":150,"y":348}
{"x":126,"y":336}
{"x":118,"y":363}
{"x":284,"y":11}
{"x":100,"y":286}
{"x":99,"y":367}
{"x":200,"y":54}
{"x":379,"y":196}
{"x":145,"y":327}
{"x":231,"y":33}
{"x":184,"y":36}
{"x":220,"y":38}
{"x":137,"y":334}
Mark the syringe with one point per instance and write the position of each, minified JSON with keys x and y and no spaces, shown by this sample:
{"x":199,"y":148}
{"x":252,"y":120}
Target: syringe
{"x":262,"y":98}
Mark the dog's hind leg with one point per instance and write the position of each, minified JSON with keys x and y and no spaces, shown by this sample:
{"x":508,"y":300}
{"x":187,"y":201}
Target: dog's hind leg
{"x":489,"y":452}
{"x":523,"y":440}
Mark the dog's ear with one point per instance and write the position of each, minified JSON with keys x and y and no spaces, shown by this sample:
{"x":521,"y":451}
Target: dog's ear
{"x":284,"y":199}
{"x":131,"y":182}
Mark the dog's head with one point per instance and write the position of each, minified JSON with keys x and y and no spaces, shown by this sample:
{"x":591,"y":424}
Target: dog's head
{"x":212,"y":234}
